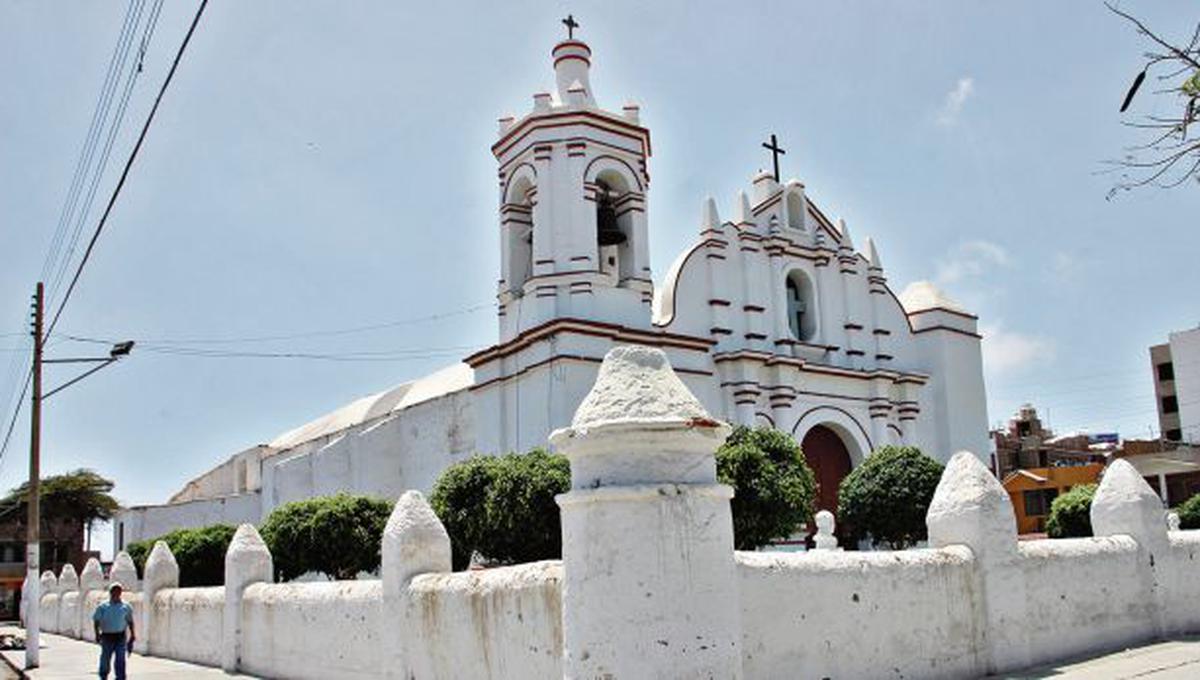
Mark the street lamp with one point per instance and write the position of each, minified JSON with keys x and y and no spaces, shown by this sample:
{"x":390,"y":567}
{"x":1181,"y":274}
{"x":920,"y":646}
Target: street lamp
{"x":33,"y":546}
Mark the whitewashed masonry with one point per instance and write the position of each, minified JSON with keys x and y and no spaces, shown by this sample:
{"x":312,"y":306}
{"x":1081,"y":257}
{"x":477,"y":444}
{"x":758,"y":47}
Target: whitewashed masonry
{"x":651,"y":587}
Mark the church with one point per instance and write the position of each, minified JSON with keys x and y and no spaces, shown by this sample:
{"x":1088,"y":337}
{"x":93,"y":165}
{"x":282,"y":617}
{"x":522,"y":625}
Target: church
{"x":774,"y":316}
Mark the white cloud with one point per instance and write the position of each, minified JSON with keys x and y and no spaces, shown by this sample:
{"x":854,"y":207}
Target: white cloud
{"x":971,"y":259}
{"x":954,"y":101}
{"x":1006,"y":352}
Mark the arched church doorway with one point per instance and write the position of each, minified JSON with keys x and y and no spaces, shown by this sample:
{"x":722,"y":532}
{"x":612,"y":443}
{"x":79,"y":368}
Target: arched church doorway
{"x":826,"y":454}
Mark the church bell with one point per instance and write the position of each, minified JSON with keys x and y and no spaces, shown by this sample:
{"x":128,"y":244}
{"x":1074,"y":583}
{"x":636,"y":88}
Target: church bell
{"x":607,"y":231}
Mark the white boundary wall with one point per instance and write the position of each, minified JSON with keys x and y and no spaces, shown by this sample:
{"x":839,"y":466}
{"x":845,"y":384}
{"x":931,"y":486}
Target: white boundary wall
{"x":975,"y":602}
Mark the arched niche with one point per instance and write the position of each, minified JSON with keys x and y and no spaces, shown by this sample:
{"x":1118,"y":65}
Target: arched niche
{"x":800,"y":298}
{"x":794,"y":208}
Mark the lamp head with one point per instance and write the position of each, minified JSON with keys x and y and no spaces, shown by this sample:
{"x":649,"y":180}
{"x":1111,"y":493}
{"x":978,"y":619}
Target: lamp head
{"x":121,"y":349}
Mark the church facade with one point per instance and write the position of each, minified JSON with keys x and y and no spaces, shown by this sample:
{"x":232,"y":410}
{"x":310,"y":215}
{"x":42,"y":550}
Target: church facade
{"x":773,"y":317}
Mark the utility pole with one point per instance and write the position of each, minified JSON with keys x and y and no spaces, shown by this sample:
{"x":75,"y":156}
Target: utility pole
{"x":31,"y":593}
{"x":34,"y":541}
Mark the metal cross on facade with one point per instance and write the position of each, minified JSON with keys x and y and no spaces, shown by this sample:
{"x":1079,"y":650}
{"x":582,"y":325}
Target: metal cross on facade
{"x":571,"y":25}
{"x":776,"y":152}
{"x":796,"y":308}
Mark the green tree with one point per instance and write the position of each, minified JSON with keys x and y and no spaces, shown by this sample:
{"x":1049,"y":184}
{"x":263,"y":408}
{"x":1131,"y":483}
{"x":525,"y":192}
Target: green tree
{"x":337,"y":535}
{"x":1071,"y":513}
{"x":503,"y":507}
{"x":200,"y":553}
{"x":773,"y":485}
{"x":459,"y":499}
{"x":888,"y":496}
{"x":1189,"y":513}
{"x":81,"y":497}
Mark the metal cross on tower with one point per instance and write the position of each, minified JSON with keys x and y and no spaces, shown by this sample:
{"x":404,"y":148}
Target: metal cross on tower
{"x":571,"y":25}
{"x":776,"y":152}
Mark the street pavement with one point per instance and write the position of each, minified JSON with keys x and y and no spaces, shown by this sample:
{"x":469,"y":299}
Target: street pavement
{"x":1170,"y":660}
{"x":1177,"y":659}
{"x":63,"y":658}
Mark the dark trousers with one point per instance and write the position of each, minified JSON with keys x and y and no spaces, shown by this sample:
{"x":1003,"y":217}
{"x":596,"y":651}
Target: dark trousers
{"x":112,"y":644}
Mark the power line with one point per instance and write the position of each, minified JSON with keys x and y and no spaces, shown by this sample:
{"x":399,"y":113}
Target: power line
{"x":379,"y":355}
{"x":183,"y":342}
{"x":128,"y":164}
{"x":102,"y":165}
{"x":16,"y":412}
{"x":99,"y":115}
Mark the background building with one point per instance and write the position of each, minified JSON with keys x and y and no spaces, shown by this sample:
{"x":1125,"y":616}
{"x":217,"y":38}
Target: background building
{"x":1176,"y":368}
{"x":1033,"y":490}
{"x":1026,"y":443}
{"x":62,"y":543}
{"x":1171,"y":469}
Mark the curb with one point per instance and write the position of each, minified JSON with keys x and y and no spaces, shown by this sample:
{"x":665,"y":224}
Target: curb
{"x":19,"y":671}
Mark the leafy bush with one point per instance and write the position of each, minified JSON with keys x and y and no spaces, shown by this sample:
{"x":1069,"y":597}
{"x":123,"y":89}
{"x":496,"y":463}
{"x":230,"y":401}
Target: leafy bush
{"x":888,"y":496}
{"x":199,"y":552}
{"x":459,"y":499}
{"x":1071,"y":513}
{"x":773,"y":485}
{"x":1189,"y":513}
{"x":523,"y":517}
{"x":503,"y":506}
{"x":338,"y":535}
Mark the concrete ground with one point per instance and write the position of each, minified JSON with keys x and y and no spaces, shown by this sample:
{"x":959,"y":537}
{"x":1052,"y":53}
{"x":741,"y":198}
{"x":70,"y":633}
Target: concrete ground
{"x":1170,"y":660}
{"x":66,"y":658}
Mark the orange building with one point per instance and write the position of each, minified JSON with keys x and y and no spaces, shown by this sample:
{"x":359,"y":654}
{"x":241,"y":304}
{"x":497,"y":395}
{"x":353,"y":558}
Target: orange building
{"x":1033,"y":490}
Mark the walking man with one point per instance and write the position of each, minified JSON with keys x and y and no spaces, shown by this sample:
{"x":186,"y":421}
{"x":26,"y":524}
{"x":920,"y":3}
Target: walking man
{"x":110,"y":620}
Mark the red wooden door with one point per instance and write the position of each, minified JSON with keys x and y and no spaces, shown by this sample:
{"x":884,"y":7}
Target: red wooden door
{"x":830,"y":462}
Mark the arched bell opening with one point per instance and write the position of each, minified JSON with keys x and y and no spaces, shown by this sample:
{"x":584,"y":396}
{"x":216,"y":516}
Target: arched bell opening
{"x":519,"y":232}
{"x":614,"y":226}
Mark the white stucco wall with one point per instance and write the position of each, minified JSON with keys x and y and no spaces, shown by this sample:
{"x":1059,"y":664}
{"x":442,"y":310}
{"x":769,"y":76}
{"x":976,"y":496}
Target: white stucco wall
{"x":240,"y":474}
{"x":312,"y":630}
{"x":49,"y":612}
{"x":1182,"y":581}
{"x":68,"y":614}
{"x":188,"y":624}
{"x":954,"y":413}
{"x":498,"y":624}
{"x":1084,"y":595}
{"x":404,"y":450}
{"x":151,"y":521}
{"x":907,"y":614}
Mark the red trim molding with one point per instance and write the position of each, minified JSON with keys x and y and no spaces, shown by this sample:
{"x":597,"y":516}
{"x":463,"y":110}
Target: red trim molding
{"x":615,"y":332}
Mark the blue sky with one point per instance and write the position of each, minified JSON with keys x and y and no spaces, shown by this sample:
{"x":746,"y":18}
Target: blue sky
{"x":324,"y":166}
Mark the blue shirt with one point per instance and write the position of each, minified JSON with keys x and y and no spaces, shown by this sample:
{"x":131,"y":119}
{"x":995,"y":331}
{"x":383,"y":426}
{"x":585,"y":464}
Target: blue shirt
{"x":113,"y":617}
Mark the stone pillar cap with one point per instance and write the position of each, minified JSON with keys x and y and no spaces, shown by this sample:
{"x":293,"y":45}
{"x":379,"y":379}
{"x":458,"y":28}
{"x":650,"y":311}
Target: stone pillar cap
{"x":637,"y":389}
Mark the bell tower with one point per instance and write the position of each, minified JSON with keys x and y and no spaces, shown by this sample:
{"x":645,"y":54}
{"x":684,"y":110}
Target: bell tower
{"x":573,"y":191}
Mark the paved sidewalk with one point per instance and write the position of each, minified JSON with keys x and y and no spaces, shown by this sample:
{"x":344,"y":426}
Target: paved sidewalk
{"x":66,"y":658}
{"x":1177,"y":659}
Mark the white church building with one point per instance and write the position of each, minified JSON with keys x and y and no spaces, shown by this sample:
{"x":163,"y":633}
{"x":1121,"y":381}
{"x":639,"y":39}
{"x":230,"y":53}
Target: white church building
{"x":773,"y":317}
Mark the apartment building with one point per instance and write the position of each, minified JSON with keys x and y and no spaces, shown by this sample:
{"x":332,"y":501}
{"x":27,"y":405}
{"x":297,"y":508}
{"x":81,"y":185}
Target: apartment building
{"x":1176,"y":369}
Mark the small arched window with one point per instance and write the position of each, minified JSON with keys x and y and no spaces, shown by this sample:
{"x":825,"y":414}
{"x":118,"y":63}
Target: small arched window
{"x":795,"y":210}
{"x":801,"y":308}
